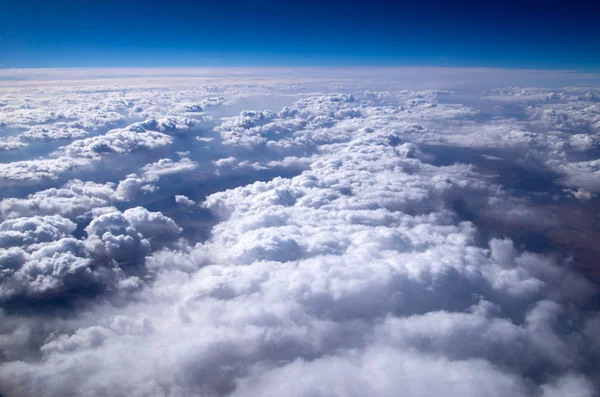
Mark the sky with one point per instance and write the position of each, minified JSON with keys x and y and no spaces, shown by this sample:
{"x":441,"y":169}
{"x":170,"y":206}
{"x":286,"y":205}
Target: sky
{"x":66,"y":33}
{"x":266,"y":198}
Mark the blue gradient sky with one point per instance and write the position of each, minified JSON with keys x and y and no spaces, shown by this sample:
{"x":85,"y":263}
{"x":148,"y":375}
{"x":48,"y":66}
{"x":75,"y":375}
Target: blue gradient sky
{"x":530,"y":34}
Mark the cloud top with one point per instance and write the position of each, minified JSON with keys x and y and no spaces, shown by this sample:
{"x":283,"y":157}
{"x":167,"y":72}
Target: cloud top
{"x":306,"y":236}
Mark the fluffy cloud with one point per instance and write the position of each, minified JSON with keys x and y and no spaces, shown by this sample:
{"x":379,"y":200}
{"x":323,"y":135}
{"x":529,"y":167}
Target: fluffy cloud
{"x":583,"y":174}
{"x":72,"y":200}
{"x":41,"y":133}
{"x":171,"y":125}
{"x":76,"y":199}
{"x":132,"y":187}
{"x":167,"y":166}
{"x":119,"y":141}
{"x":41,"y":259}
{"x":36,"y":171}
{"x":184,"y":200}
{"x":35,"y":230}
{"x":10,"y":143}
{"x":353,"y":246}
{"x":127,"y":235}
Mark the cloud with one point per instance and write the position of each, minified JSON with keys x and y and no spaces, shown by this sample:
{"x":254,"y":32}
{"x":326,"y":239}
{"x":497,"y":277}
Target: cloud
{"x":152,"y":224}
{"x":167,"y":167}
{"x":214,"y":102}
{"x":133,"y":187}
{"x":76,"y":199}
{"x":56,"y":109}
{"x":120,"y":141}
{"x":170,"y":125}
{"x":192,"y":108}
{"x":351,"y":240}
{"x":128,"y":236}
{"x":72,"y":200}
{"x":583,"y":174}
{"x":41,"y":259}
{"x":29,"y":231}
{"x":11,"y":143}
{"x":40,"y":133}
{"x":37,"y":171}
{"x":184,"y":200}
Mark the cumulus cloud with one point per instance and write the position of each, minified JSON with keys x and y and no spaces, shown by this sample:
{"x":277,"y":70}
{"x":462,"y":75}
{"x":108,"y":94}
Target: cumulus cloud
{"x":349,"y":241}
{"x":76,"y":199}
{"x":119,"y":141}
{"x":36,"y":171}
{"x":40,"y":258}
{"x":169,"y":125}
{"x":72,"y":200}
{"x":10,"y":143}
{"x":40,"y":133}
{"x":583,"y":174}
{"x":167,"y":166}
{"x":127,"y":237}
{"x":184,"y":200}
{"x":133,"y":187}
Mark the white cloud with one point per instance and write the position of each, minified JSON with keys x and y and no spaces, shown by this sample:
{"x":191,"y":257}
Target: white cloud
{"x":128,"y":236}
{"x":170,"y":125}
{"x":11,"y":143}
{"x":184,"y":200}
{"x":583,"y":174}
{"x":334,"y":257}
{"x":72,"y":200}
{"x":40,"y":259}
{"x":167,"y":167}
{"x":133,"y":187}
{"x":41,"y":133}
{"x":152,"y":224}
{"x":119,"y":141}
{"x":36,"y":171}
{"x":38,"y":229}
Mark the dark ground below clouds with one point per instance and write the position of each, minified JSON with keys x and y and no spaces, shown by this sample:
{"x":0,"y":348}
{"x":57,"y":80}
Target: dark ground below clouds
{"x":568,"y":227}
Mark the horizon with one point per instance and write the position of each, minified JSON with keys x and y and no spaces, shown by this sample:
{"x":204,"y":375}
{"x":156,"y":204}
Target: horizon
{"x":258,"y":198}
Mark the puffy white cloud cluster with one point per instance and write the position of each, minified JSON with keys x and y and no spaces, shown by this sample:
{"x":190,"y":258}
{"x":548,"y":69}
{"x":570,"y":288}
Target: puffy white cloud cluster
{"x":169,"y":125}
{"x":127,"y":236}
{"x":214,"y":102}
{"x":119,"y":141}
{"x":41,"y":259}
{"x":167,"y":166}
{"x":10,"y":143}
{"x":39,"y":170}
{"x":75,"y":199}
{"x":575,"y":116}
{"x":133,"y":187}
{"x":72,"y":200}
{"x":351,"y":248}
{"x":184,"y":200}
{"x":52,"y":133}
{"x":82,"y":153}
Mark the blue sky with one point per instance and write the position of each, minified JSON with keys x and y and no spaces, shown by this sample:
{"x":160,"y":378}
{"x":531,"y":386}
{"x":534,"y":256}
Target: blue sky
{"x":66,"y":33}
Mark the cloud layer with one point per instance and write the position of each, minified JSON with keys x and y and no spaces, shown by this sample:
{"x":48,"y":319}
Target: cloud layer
{"x":309,"y":237}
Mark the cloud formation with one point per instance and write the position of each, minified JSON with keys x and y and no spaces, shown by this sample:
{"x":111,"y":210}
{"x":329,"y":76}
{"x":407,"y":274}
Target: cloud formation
{"x":349,"y":238}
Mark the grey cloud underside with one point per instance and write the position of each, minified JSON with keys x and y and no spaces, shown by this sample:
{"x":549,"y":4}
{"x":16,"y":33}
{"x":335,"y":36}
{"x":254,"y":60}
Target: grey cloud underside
{"x":341,"y":240}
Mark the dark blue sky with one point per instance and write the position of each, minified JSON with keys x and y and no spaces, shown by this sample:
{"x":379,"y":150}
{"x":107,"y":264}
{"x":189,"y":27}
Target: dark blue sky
{"x":67,"y":33}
